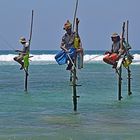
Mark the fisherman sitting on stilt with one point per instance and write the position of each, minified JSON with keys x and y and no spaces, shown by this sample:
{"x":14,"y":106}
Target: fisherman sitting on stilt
{"x":22,"y":53}
{"x":68,"y":43}
{"x":111,"y":57}
{"x":69,"y":49}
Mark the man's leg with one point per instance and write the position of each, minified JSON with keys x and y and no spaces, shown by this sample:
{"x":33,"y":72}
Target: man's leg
{"x":69,"y":67}
{"x":19,"y":60}
{"x":111,"y":59}
{"x":107,"y":59}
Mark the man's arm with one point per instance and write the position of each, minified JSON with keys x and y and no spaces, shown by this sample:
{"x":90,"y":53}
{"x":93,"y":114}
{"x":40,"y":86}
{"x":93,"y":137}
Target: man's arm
{"x":63,"y":48}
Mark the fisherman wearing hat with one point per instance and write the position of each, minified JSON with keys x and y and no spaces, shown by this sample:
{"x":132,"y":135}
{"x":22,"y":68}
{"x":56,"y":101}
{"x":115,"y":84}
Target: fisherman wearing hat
{"x":22,"y":52}
{"x":68,"y":42}
{"x":116,"y":51}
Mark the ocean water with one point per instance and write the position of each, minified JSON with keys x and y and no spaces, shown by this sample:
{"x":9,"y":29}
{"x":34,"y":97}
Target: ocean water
{"x":45,"y":112}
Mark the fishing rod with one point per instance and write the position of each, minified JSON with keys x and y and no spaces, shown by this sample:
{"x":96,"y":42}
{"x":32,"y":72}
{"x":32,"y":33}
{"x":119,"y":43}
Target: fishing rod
{"x":75,"y":12}
{"x":71,"y":60}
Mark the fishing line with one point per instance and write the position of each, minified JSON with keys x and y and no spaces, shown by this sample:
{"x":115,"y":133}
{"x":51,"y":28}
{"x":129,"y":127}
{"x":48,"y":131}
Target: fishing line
{"x":8,"y":45}
{"x":93,"y":58}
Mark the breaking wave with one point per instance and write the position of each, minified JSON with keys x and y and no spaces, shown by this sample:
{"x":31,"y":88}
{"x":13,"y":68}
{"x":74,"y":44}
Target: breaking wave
{"x":49,"y":58}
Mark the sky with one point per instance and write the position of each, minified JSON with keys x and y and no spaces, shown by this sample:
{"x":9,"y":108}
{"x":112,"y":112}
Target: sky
{"x":98,"y":20}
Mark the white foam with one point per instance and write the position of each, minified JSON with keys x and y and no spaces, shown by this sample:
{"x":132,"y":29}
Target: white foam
{"x":51,"y":58}
{"x":136,"y":57}
{"x":136,"y":63}
{"x":7,"y":58}
{"x":43,"y":57}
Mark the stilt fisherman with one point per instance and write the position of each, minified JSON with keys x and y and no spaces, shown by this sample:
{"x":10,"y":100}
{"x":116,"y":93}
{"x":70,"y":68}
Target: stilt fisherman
{"x":67,"y":43}
{"x":22,"y":52}
{"x":116,"y":51}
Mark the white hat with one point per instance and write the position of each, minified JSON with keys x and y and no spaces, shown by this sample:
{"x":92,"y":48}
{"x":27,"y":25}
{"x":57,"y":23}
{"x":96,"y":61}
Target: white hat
{"x":114,"y":35}
{"x":22,"y":40}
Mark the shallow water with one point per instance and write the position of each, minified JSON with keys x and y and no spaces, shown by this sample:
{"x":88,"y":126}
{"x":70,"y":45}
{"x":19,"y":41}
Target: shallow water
{"x":46,"y":111}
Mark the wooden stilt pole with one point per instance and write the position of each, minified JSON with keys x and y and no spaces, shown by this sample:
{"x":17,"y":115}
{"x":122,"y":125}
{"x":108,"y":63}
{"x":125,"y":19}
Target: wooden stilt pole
{"x":30,"y":37}
{"x":129,"y":81}
{"x":128,"y":69}
{"x":70,"y":77}
{"x":74,"y":19}
{"x":120,"y":69}
{"x":74,"y":89}
{"x":120,"y":84}
{"x":26,"y":80}
{"x":73,"y":74}
{"x":74,"y":83}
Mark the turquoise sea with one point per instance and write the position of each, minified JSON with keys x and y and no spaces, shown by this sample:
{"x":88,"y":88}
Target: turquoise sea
{"x":45,"y":112}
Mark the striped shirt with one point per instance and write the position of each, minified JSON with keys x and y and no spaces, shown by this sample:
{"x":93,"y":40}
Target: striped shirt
{"x":68,"y":40}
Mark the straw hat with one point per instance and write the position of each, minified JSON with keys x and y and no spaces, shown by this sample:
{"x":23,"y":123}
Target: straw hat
{"x":114,"y":35}
{"x":22,"y":40}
